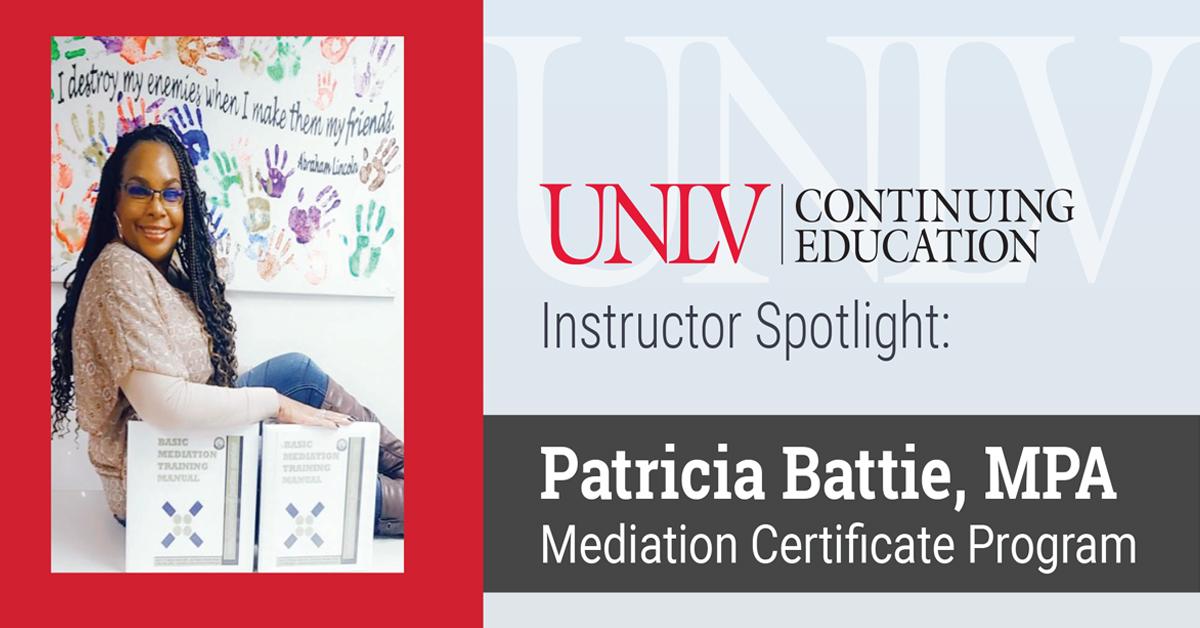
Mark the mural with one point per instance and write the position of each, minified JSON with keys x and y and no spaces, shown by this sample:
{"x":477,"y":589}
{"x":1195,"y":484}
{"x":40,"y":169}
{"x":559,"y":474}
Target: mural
{"x":297,"y":142}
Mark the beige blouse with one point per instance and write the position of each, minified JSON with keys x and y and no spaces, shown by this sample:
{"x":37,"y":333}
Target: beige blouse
{"x":129,"y":317}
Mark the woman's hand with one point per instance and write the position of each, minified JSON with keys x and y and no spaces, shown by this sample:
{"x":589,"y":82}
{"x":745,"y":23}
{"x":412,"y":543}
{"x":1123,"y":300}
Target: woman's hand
{"x":296,"y":413}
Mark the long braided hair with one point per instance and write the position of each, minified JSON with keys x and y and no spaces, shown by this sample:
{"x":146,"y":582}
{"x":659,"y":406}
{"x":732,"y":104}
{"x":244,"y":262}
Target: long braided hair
{"x":197,"y":277}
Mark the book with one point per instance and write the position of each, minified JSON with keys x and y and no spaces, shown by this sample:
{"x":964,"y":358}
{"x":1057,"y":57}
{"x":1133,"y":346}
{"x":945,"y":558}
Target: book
{"x":190,"y":498}
{"x":317,"y":507}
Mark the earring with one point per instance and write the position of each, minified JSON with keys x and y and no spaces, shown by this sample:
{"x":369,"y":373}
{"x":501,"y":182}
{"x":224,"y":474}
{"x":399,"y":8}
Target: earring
{"x":120,"y":234}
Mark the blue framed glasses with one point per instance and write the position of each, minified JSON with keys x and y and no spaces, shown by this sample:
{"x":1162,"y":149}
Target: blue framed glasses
{"x":143,"y":193}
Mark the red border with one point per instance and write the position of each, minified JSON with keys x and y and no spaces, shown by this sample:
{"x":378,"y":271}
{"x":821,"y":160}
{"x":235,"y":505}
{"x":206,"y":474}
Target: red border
{"x":442,"y":583}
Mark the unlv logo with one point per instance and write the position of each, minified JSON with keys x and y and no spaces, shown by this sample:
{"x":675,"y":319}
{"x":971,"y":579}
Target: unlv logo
{"x":658,"y":239}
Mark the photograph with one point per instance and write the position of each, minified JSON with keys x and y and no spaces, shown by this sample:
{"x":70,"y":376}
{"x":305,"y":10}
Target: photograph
{"x":227,"y":310}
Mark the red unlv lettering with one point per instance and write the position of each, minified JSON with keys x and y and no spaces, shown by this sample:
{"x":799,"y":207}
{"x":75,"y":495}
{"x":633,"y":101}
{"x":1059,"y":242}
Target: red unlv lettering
{"x":658,"y":239}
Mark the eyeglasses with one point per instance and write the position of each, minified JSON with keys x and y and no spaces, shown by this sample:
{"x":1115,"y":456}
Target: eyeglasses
{"x":143,"y":193}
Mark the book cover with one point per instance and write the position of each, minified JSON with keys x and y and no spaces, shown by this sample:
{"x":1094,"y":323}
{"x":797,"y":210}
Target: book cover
{"x":190,"y":498}
{"x":318,"y":497}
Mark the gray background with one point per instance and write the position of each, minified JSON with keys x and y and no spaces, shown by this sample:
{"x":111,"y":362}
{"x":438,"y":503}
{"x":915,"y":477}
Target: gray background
{"x":1055,"y":344}
{"x":1151,"y":461}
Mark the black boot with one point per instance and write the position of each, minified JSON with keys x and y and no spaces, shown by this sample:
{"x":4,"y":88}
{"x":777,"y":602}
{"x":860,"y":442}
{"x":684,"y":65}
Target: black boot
{"x":389,"y":521}
{"x":391,"y":448}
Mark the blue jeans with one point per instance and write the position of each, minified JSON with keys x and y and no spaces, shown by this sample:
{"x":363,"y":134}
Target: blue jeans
{"x":293,"y":375}
{"x":296,"y":376}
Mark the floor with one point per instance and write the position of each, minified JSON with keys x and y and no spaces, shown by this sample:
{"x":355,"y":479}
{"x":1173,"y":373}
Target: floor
{"x":84,"y":537}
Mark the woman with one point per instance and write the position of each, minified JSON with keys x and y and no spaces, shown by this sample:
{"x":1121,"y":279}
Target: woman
{"x":146,"y":333}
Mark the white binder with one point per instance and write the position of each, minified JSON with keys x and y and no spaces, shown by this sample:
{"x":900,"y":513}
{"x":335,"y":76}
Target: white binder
{"x":317,"y":508}
{"x":190,"y":498}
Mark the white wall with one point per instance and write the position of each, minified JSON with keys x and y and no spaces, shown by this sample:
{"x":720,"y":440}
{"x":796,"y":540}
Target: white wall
{"x":357,"y":340}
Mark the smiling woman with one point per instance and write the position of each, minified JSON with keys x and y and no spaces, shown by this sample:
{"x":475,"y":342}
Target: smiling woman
{"x":145,"y":332}
{"x":148,"y":227}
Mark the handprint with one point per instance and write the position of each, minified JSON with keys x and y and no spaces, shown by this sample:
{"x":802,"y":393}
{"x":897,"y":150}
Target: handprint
{"x":375,"y":170}
{"x":276,"y":180}
{"x":98,"y":149}
{"x":317,"y":267}
{"x":227,"y":170}
{"x":60,"y":169}
{"x":276,"y":257}
{"x":216,"y":216}
{"x":71,"y":233}
{"x":224,"y":254}
{"x":305,"y":223}
{"x":75,"y":52}
{"x":192,"y":50}
{"x":256,"y":246}
{"x":325,"y":86}
{"x":190,"y":131}
{"x":131,"y":49}
{"x":258,"y":216}
{"x":256,"y":53}
{"x":135,"y":119}
{"x":363,"y":241}
{"x":241,"y":148}
{"x":334,"y":49}
{"x":226,"y":176}
{"x":257,"y":219}
{"x":376,"y":68}
{"x":287,"y":58}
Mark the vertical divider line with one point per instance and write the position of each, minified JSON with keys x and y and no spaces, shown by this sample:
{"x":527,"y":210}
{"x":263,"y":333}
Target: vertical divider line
{"x":781,"y":224}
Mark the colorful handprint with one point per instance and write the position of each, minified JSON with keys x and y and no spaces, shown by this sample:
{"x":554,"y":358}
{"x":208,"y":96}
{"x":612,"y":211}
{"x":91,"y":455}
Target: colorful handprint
{"x":72,"y":233}
{"x":256,"y":54}
{"x":368,"y":241}
{"x":325,"y":87}
{"x":98,"y":148}
{"x":216,"y":216}
{"x":61,"y":172}
{"x":225,"y":177}
{"x":131,"y":49}
{"x":193,"y":50}
{"x":306,"y":222}
{"x":276,"y":256}
{"x":375,"y":170}
{"x":258,"y":215}
{"x":377,"y":67}
{"x":316,"y":266}
{"x":257,"y":220}
{"x":334,"y":49}
{"x":287,"y":58}
{"x":241,"y":148}
{"x":224,"y":254}
{"x":136,"y":118}
{"x":276,"y":180}
{"x":190,"y":130}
